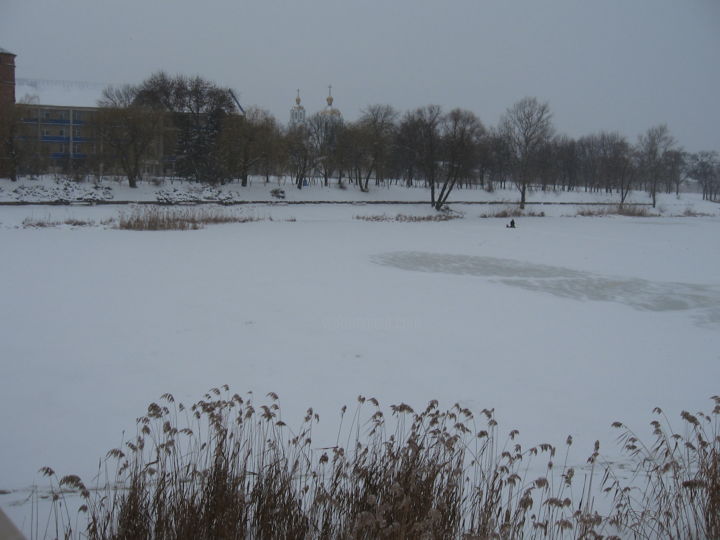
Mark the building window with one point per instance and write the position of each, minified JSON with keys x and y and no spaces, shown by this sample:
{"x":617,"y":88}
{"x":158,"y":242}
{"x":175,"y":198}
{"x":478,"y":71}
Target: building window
{"x":77,"y":149}
{"x":61,"y":133}
{"x":77,"y":132}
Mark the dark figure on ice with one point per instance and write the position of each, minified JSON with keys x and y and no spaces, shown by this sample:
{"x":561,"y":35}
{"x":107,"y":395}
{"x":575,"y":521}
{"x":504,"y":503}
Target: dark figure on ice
{"x":512,"y":224}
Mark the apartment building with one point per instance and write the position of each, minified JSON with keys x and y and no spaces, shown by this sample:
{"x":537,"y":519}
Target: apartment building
{"x":52,"y":126}
{"x":60,"y":137}
{"x":65,"y":134}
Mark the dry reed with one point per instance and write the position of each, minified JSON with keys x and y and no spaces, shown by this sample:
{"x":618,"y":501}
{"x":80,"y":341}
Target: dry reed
{"x":624,"y":210}
{"x":514,"y":212}
{"x":227,"y":467}
{"x":404,"y":218}
{"x":153,"y":218}
{"x":47,"y":223}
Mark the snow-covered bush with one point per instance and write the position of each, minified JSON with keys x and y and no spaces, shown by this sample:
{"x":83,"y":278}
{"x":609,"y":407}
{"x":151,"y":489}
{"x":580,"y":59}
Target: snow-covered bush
{"x":196,"y":194}
{"x":63,"y":191}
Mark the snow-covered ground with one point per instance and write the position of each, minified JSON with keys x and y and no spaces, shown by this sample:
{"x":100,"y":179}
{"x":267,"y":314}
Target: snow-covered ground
{"x":563,"y":325}
{"x":561,"y":203}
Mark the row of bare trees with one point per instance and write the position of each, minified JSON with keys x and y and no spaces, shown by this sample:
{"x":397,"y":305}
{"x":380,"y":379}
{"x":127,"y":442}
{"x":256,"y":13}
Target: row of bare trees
{"x":201,"y":130}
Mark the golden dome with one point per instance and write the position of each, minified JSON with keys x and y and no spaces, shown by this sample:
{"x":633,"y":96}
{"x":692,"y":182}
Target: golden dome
{"x":330,"y":112}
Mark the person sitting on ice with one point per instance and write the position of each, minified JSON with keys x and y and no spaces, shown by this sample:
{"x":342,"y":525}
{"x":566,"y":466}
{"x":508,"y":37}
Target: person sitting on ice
{"x":512,"y":224}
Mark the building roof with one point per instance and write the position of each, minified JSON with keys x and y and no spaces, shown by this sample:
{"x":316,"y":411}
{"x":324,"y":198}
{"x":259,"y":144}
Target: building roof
{"x":63,"y":93}
{"x":5,"y":51}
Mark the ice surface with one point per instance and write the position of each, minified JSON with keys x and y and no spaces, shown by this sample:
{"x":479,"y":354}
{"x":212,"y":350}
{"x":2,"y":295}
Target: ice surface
{"x":564,"y":282}
{"x":563,"y":325}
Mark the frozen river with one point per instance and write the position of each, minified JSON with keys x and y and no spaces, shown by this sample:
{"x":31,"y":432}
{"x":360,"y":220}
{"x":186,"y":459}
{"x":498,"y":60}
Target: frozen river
{"x":562,"y":325}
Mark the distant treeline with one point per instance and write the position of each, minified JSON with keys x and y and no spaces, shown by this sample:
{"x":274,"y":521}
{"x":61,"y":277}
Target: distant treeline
{"x":200,"y":130}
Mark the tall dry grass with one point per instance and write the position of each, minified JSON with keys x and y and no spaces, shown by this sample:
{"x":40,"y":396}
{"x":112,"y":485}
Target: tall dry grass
{"x":155,"y":218}
{"x":675,"y":488}
{"x":620,"y":210}
{"x":227,"y":467}
{"x":48,"y":223}
{"x":404,"y":218}
{"x":512,"y":212}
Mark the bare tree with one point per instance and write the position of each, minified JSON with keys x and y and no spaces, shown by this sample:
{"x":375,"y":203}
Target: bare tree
{"x":705,"y":168}
{"x":418,"y":146}
{"x":299,"y":154}
{"x":567,"y":162}
{"x":270,"y":140}
{"x":652,"y":148}
{"x":607,"y":161}
{"x":589,"y":151}
{"x":20,"y":149}
{"x":377,"y":124}
{"x":324,"y":131}
{"x":675,"y":167}
{"x":199,"y":109}
{"x":429,"y":119}
{"x":620,"y":164}
{"x":526,"y":126}
{"x":407,"y":146}
{"x":461,"y":132}
{"x":245,"y":140}
{"x":356,"y":153}
{"x":547,"y":164}
{"x":127,"y":130}
{"x":500,"y":159}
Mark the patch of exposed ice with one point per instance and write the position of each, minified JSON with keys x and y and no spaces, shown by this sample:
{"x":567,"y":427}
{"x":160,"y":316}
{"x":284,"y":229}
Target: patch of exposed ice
{"x":638,"y":293}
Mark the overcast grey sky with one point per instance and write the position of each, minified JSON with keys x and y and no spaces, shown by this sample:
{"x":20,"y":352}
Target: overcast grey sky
{"x":620,"y":65}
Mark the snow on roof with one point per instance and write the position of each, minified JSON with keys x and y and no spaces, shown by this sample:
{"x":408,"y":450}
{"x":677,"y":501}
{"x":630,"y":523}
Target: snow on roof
{"x":64,"y":93}
{"x":5,"y":51}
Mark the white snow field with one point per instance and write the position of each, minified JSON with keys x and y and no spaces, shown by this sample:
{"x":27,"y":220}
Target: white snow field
{"x":563,"y":325}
